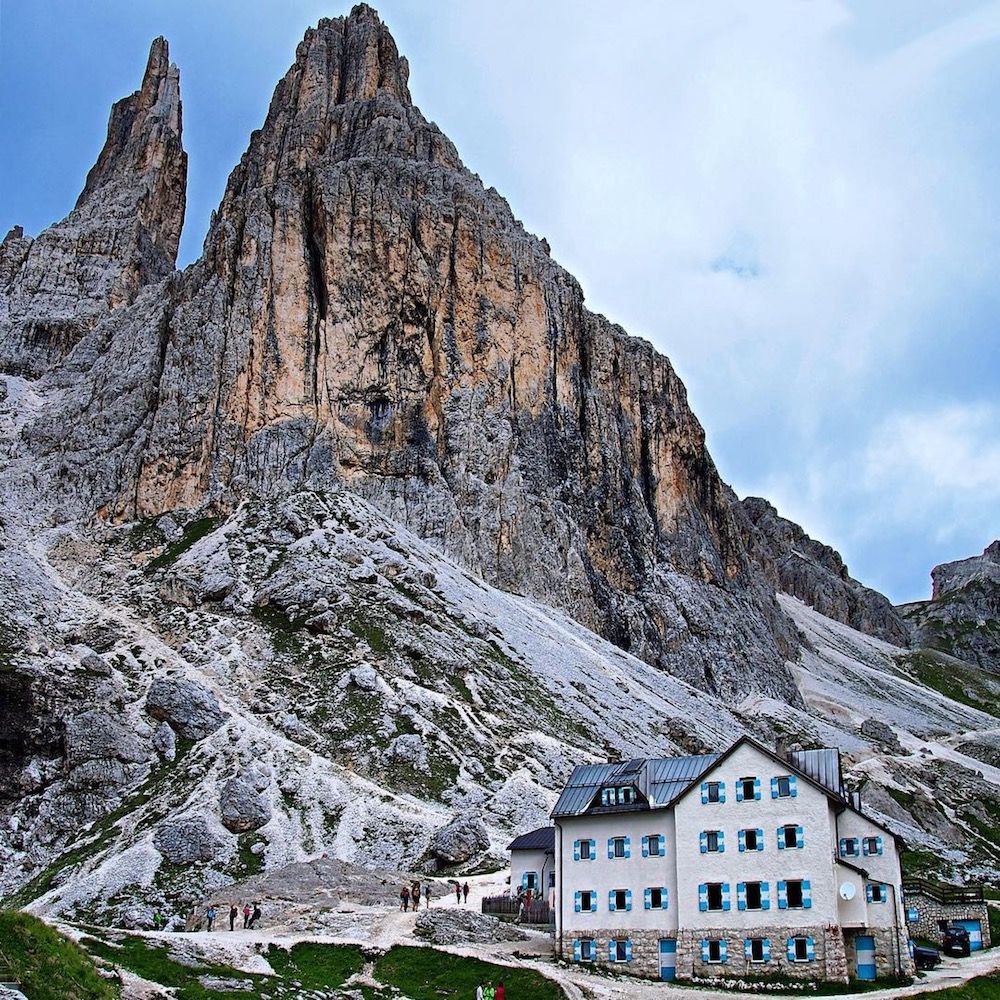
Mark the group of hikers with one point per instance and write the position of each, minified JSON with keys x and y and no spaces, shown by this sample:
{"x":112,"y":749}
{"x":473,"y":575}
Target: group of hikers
{"x":251,"y":916}
{"x":412,"y":894}
{"x":487,"y":991}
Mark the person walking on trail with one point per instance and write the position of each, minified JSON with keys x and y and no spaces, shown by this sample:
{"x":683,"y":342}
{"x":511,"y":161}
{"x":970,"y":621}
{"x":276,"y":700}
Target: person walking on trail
{"x":404,"y":898}
{"x":233,"y":914}
{"x":210,"y":916}
{"x":458,"y":894}
{"x":415,"y":895}
{"x":465,"y":893}
{"x":427,"y":896}
{"x":501,"y":992}
{"x":246,"y":915}
{"x":489,"y":993}
{"x":480,"y":992}
{"x":256,"y":915}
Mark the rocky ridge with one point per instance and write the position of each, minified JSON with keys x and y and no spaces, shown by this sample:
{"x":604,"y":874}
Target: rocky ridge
{"x":363,"y":530}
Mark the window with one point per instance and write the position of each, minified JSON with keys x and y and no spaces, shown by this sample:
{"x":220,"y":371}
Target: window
{"x":712,"y":842}
{"x":585,"y":950}
{"x":618,"y":847}
{"x":794,"y":890}
{"x":877,"y":892}
{"x":586,"y":901}
{"x":653,"y":846}
{"x":790,"y":835}
{"x":621,"y":796}
{"x":801,"y":949}
{"x":656,"y":897}
{"x":552,"y":880}
{"x":714,"y":791}
{"x":619,"y":950}
{"x":529,"y":880}
{"x":747,"y":789}
{"x":713,"y":950}
{"x":751,"y":840}
{"x":753,"y":895}
{"x":715,"y":895}
{"x":872,"y":845}
{"x":783,"y":786}
{"x":757,"y":949}
{"x":849,"y":847}
{"x":620,"y":899}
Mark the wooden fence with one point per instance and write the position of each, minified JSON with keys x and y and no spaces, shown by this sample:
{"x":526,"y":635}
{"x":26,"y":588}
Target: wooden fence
{"x":508,"y":906}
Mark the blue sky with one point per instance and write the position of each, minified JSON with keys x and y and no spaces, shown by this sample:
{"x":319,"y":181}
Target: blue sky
{"x":799,"y":203}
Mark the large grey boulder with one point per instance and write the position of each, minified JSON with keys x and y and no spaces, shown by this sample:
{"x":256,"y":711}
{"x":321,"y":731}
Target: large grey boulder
{"x":96,"y":735}
{"x":190,"y":708}
{"x":187,"y":839}
{"x":244,"y":806}
{"x":464,"y":838}
{"x":460,"y":926}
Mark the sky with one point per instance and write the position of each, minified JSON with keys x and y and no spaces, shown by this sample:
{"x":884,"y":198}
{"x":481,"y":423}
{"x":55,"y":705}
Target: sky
{"x":797,"y":202}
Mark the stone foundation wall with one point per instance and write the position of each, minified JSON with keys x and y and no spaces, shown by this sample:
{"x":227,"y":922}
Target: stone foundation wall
{"x":931,"y":913}
{"x":645,"y":948}
{"x":829,"y":962}
{"x":892,"y":952}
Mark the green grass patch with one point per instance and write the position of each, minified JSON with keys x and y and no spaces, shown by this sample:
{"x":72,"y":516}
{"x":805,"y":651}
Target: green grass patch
{"x":48,"y":965}
{"x":905,"y":799}
{"x":316,"y":966}
{"x":194,"y":531}
{"x":924,"y":864}
{"x":428,"y":974}
{"x":954,"y":680}
{"x":980,"y":988}
{"x":993,"y":912}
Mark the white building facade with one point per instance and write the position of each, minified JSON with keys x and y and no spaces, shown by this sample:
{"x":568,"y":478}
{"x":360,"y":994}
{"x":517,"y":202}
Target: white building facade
{"x":741,"y":863}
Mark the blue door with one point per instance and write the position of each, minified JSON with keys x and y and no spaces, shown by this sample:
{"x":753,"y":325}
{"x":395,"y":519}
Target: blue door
{"x":668,"y":959}
{"x":864,"y":945}
{"x":975,"y":929}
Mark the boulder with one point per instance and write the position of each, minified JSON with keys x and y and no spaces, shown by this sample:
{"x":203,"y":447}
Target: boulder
{"x":165,"y":741}
{"x":465,"y":837}
{"x":461,"y":926}
{"x":186,"y":839}
{"x":882,"y":733}
{"x":190,"y":708}
{"x":242,"y":803}
{"x":96,"y":735}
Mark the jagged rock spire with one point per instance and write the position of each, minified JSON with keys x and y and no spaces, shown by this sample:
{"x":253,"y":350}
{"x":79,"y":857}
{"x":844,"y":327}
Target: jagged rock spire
{"x":122,"y":234}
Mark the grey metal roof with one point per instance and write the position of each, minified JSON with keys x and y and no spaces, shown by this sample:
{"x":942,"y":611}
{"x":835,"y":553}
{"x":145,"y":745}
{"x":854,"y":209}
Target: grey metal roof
{"x":542,"y":839}
{"x":822,"y":766}
{"x":662,"y":779}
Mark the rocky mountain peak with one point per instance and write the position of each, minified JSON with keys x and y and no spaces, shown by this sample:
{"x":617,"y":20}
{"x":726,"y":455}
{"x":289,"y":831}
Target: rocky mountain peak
{"x":952,"y":576}
{"x":122,"y":235}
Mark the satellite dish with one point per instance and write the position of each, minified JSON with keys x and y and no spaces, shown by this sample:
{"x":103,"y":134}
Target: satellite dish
{"x":847,"y":890}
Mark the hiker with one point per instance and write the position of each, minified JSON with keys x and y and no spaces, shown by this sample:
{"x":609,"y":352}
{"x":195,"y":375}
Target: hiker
{"x":255,"y":916}
{"x":489,"y":993}
{"x":480,"y":993}
{"x":465,"y":893}
{"x":415,"y":895}
{"x":427,"y":896}
{"x":458,"y":894}
{"x":210,"y":915}
{"x":404,"y":898}
{"x":501,"y":993}
{"x":246,"y":915}
{"x":233,"y":914}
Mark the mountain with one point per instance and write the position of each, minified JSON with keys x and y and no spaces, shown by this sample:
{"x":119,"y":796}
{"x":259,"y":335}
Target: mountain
{"x":362,"y":530}
{"x":963,"y":615}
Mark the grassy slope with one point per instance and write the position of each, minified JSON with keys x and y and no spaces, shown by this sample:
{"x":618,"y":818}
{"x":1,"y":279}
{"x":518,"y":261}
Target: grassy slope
{"x":980,"y":988}
{"x":48,"y":965}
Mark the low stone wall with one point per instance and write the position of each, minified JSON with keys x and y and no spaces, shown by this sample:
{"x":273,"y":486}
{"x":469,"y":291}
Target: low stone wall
{"x":931,"y":913}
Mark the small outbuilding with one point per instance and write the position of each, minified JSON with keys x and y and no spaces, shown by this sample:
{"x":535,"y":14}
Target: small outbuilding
{"x":933,"y":906}
{"x":532,"y":864}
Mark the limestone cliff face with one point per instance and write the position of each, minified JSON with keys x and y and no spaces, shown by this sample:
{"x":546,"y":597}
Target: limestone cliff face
{"x":122,"y":234}
{"x":367,"y":313}
{"x":963,"y":615}
{"x":798,"y":565}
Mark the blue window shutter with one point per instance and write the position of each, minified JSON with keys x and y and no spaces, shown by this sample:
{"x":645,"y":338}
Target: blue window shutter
{"x":765,"y":895}
{"x":800,"y":837}
{"x":767,"y":949}
{"x":576,"y":850}
{"x":628,"y":950}
{"x":704,"y":793}
{"x":756,"y":788}
{"x":725,"y":896}
{"x":741,"y":896}
{"x":742,"y":841}
{"x":790,"y":950}
{"x":628,"y":847}
{"x":628,"y":900}
{"x":878,"y":845}
{"x":791,"y":786}
{"x":646,"y":901}
{"x":593,"y":900}
{"x":703,"y":897}
{"x":774,"y":788}
{"x":760,"y":840}
{"x":663,"y":845}
{"x":723,"y":950}
{"x":704,"y":949}
{"x":664,"y":902}
{"x":806,"y":894}
{"x":781,"y":838}
{"x":739,"y":791}
{"x":611,"y":900}
{"x":810,"y":949}
{"x":612,"y":950}
{"x":703,"y":842}
{"x":576,"y":950}
{"x":722,"y":791}
{"x":645,"y":847}
{"x":843,"y":846}
{"x":611,"y":848}
{"x":722,"y":841}
{"x":782,"y":896}
{"x":576,"y":901}
{"x":747,"y":949}
{"x":593,"y":850}
{"x":868,"y":891}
